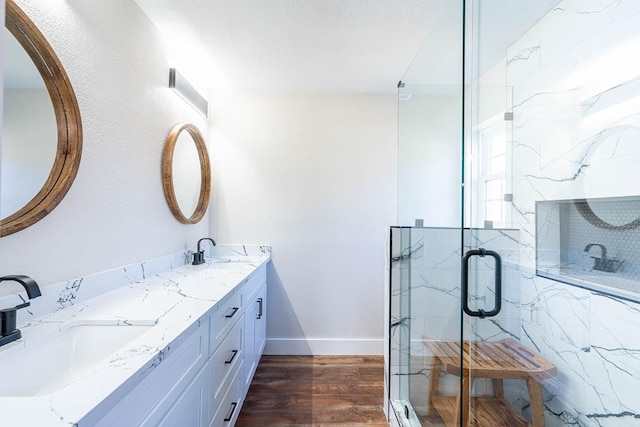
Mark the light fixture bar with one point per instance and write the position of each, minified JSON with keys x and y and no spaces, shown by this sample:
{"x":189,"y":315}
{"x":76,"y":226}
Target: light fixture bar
{"x":178,"y":83}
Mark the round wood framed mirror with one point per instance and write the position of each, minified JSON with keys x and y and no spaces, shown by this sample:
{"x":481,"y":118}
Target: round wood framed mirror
{"x":68,"y":125}
{"x":186,"y":173}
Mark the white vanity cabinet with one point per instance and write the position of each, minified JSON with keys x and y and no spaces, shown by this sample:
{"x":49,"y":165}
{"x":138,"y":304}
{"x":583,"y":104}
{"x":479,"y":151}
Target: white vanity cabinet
{"x":203,"y":382}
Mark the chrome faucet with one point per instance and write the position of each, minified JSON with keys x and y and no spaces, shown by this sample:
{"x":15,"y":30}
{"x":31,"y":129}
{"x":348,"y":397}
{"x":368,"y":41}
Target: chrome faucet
{"x":198,"y":256}
{"x":8,"y":316}
{"x":609,"y":265}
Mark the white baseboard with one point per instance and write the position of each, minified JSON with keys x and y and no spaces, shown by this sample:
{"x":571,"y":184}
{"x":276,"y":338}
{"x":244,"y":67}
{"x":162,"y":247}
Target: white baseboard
{"x":321,"y":346}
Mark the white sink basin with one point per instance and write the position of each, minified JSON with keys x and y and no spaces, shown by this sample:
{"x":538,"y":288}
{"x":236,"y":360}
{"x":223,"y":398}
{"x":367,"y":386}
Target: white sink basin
{"x":43,"y":365}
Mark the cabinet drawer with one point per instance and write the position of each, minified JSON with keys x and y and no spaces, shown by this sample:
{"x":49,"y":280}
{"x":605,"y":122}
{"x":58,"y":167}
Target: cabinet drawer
{"x":230,"y":405}
{"x":224,"y":318}
{"x":225,"y":362}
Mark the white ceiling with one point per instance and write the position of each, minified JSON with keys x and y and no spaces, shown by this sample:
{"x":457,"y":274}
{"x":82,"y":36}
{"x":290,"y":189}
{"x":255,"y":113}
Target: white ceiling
{"x":355,"y":46}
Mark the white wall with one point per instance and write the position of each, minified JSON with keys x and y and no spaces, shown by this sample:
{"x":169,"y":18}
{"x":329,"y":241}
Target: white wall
{"x":115,"y":212}
{"x":314,"y":176}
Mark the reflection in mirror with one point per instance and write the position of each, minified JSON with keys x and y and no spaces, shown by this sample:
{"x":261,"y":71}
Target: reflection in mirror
{"x":611,"y":213}
{"x":186,"y":173}
{"x":29,"y":134}
{"x":41,"y":154}
{"x":618,"y":213}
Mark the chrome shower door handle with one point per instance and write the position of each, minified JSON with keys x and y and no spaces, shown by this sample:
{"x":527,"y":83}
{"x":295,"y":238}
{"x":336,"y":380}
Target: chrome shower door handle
{"x":497,"y":282}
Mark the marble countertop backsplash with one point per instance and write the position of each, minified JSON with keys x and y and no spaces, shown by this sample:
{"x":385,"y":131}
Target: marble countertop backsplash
{"x":166,"y":292}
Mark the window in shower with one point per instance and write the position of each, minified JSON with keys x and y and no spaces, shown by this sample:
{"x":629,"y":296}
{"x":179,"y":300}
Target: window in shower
{"x":492,"y":175}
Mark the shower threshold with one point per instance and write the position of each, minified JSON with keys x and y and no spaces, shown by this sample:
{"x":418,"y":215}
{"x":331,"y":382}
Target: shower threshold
{"x":402,"y":408}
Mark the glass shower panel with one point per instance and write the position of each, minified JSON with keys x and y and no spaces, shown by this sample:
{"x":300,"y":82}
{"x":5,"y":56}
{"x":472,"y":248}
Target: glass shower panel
{"x":429,"y":155}
{"x":426,"y":311}
{"x":400,"y":325}
{"x":425,"y":254}
{"x":563,"y":92}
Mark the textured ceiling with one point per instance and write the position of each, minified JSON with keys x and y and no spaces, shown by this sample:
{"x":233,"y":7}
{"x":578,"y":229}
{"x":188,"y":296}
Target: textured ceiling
{"x":298,"y":45}
{"x":354,"y":46}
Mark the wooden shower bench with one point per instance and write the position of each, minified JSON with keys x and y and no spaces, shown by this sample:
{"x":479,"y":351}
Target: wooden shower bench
{"x":506,"y":359}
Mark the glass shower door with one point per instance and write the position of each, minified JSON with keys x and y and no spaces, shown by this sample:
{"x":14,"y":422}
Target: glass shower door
{"x":493,"y":362}
{"x":425,"y":314}
{"x":500,"y":376}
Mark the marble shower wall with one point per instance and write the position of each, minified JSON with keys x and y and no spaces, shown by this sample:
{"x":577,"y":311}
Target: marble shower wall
{"x":576,"y":133}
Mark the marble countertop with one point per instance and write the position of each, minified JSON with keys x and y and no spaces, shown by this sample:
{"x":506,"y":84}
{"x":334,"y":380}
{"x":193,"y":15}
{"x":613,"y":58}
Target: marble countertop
{"x":173,"y":302}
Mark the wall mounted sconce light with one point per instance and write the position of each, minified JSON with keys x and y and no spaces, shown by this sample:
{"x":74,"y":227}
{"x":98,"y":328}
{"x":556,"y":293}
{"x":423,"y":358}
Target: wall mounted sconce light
{"x":178,"y":83}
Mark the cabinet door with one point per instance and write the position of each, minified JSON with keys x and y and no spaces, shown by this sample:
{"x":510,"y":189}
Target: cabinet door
{"x":256,"y":333}
{"x":249,"y":351}
{"x":260,"y":332}
{"x":190,"y":409}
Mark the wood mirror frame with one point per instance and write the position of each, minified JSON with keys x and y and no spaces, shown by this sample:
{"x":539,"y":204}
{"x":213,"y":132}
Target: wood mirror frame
{"x":205,"y":173}
{"x":69,"y":125}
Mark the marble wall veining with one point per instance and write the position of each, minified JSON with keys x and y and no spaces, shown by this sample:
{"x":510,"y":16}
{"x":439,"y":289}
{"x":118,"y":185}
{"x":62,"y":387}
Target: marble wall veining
{"x":575,"y":105}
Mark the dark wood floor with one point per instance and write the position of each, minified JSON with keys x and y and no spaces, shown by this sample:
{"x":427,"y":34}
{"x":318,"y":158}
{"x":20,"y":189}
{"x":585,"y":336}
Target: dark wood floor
{"x":315,"y":391}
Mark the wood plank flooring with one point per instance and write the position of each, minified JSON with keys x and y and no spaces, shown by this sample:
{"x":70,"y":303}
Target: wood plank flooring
{"x":315,"y":391}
